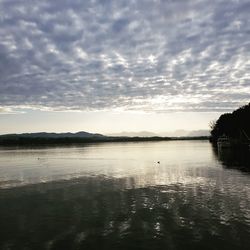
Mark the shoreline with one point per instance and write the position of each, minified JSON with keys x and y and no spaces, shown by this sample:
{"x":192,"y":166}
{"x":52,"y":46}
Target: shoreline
{"x":40,"y":141}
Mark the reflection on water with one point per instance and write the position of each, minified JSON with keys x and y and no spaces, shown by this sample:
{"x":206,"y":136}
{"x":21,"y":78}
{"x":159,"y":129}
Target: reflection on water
{"x":116,"y":196}
{"x":138,"y":160}
{"x":234,"y":158}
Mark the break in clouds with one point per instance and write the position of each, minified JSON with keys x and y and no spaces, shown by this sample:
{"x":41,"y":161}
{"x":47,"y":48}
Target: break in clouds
{"x":131,"y":55}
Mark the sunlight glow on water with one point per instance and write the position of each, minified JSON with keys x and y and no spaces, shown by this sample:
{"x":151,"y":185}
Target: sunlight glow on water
{"x":179,"y":162}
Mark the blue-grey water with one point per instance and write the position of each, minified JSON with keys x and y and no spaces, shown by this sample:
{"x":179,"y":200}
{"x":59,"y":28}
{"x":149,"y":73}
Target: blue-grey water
{"x":145,"y":195}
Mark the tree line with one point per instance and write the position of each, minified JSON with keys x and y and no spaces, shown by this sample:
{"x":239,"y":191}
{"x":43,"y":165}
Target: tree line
{"x":235,"y":125}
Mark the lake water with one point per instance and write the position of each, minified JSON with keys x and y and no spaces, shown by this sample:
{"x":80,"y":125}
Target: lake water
{"x":145,"y":195}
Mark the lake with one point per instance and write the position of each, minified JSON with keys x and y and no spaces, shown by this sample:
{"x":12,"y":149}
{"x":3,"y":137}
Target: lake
{"x":141,"y":195}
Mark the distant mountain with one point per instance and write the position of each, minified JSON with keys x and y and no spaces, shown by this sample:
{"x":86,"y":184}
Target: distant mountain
{"x":134,"y":134}
{"x":186,"y":133}
{"x":43,"y":138}
{"x":199,"y":133}
{"x":81,"y":134}
{"x":176,"y":133}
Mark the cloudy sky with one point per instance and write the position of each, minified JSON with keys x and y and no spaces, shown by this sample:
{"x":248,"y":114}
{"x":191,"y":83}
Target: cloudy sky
{"x":121,"y":65}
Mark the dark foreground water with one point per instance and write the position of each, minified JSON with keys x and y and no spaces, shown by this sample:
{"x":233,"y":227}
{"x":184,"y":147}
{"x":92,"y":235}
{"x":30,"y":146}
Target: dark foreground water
{"x":116,"y":196}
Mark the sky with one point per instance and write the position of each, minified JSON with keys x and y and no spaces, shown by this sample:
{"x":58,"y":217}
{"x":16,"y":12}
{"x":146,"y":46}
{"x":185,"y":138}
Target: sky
{"x":121,"y":65}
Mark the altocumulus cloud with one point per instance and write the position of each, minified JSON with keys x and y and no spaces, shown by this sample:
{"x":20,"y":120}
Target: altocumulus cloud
{"x":159,"y":55}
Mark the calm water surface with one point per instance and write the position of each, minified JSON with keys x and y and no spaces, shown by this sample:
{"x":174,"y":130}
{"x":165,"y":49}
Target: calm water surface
{"x":117,"y":196}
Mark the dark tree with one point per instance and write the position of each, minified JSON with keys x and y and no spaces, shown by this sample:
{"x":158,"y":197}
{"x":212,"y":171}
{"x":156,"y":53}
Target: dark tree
{"x":235,"y":125}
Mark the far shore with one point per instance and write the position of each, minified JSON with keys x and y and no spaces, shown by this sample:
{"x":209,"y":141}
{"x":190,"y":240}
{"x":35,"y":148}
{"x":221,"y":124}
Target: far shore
{"x":33,"y":141}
